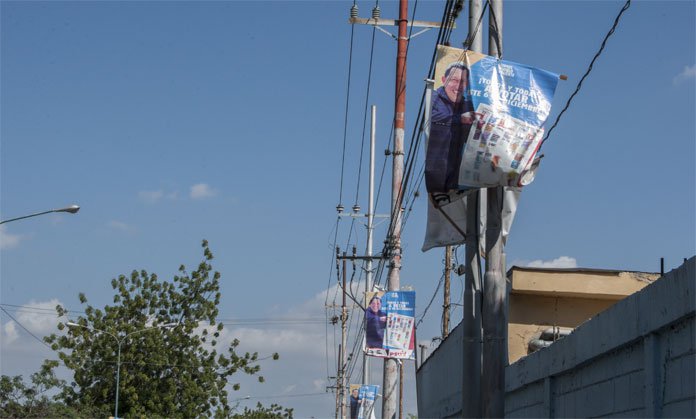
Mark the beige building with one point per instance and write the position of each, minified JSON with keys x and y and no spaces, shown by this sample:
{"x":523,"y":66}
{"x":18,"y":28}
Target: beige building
{"x":547,"y":303}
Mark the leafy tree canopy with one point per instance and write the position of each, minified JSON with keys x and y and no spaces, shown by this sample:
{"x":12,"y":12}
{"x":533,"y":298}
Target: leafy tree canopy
{"x":171,"y":364}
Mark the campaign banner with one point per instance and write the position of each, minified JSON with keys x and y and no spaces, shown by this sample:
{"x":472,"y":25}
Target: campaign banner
{"x":390,"y":324}
{"x":486,"y":122}
{"x":485,"y":126}
{"x":367,"y":396}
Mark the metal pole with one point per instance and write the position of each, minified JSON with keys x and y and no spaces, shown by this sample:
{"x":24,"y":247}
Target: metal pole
{"x":494,"y":310}
{"x":390,"y":374}
{"x":344,"y":317}
{"x":475,"y":7}
{"x":118,"y":376}
{"x":446,"y":297}
{"x":471,"y":322}
{"x":338,"y":382}
{"x":370,"y":228}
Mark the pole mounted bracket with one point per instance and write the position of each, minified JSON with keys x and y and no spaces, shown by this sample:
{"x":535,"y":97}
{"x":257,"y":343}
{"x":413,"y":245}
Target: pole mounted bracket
{"x":377,"y":22}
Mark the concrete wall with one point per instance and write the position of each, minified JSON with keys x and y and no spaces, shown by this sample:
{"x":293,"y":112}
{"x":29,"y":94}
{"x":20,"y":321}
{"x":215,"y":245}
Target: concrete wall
{"x":636,"y":359}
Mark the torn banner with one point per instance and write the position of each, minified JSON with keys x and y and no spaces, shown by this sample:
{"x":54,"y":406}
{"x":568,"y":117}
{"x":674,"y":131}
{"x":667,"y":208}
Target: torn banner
{"x":486,"y":118}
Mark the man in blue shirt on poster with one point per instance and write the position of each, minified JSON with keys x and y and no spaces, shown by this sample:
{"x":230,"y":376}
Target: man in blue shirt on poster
{"x":451,"y":116}
{"x":375,"y":323}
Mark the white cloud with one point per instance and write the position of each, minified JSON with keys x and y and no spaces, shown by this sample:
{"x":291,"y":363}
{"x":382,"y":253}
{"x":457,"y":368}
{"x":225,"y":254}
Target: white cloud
{"x":689,"y":73}
{"x":39,"y":317}
{"x":201,"y":191}
{"x":10,"y":333}
{"x":559,"y":262}
{"x":151,"y":197}
{"x":121,"y":226}
{"x":7,"y":240}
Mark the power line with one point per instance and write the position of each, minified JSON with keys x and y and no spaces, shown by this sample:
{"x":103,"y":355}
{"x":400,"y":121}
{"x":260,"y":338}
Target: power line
{"x":589,"y":69}
{"x":25,"y":329}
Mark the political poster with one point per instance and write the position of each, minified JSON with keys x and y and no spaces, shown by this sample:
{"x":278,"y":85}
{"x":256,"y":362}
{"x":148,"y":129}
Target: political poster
{"x":485,"y":126}
{"x":354,"y":400}
{"x":390,"y":324}
{"x":486,"y":122}
{"x":367,"y":396}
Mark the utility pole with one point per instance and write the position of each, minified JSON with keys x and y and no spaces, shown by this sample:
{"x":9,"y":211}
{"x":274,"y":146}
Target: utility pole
{"x":494,"y":310}
{"x":370,"y":228}
{"x":471,"y":322}
{"x":393,"y":284}
{"x":446,"y":297}
{"x":344,"y":319}
{"x":390,"y":380}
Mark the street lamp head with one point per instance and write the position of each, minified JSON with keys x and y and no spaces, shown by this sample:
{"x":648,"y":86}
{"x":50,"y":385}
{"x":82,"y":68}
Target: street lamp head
{"x":72,"y":324}
{"x":72,"y":209}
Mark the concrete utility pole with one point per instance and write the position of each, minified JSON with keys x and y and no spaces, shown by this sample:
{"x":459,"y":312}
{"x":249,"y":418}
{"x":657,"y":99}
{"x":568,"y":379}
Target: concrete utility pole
{"x":471,"y":322}
{"x":344,"y":320}
{"x":390,"y":364}
{"x":370,"y":227}
{"x":390,"y":381}
{"x":494,"y":310}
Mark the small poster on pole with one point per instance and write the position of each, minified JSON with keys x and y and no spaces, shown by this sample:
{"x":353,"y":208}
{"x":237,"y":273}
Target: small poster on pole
{"x":390,"y":324}
{"x":367,"y":396}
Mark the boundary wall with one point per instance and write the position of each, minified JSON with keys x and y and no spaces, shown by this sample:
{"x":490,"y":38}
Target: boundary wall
{"x":635,"y":359}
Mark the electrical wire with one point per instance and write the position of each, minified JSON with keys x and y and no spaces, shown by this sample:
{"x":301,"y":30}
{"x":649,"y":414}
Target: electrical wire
{"x":345,"y":119}
{"x":25,"y":329}
{"x":589,"y":69}
{"x":367,"y":99}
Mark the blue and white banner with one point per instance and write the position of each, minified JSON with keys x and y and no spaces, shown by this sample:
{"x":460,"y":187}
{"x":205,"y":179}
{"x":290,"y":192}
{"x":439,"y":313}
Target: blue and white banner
{"x":367,"y":396}
{"x":390,"y":324}
{"x":485,"y":127}
{"x":511,"y":103}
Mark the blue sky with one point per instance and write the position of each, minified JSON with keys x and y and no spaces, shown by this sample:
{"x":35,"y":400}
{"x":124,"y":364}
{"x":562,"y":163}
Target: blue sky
{"x":171,"y":122}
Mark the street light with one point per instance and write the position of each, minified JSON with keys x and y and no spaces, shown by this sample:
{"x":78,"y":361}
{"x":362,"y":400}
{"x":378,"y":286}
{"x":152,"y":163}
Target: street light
{"x":120,"y":342}
{"x":72,"y":209}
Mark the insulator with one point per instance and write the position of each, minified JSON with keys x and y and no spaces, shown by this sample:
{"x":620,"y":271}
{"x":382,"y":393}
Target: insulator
{"x":356,"y":208}
{"x":354,"y":11}
{"x":376,"y":12}
{"x":339,"y":208}
{"x":387,"y":152}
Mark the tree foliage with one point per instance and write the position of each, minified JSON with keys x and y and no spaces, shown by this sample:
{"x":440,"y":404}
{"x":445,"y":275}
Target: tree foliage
{"x":260,"y":412}
{"x":39,"y":398}
{"x":178,"y":371}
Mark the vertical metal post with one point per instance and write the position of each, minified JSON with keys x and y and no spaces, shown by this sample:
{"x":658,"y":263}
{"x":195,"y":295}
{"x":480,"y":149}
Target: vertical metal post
{"x":475,"y":7}
{"x":344,"y":318}
{"x":118,"y":376}
{"x":494,"y":310}
{"x":446,"y":297}
{"x":390,"y":376}
{"x":471,"y":322}
{"x":370,"y":228}
{"x":338,"y":381}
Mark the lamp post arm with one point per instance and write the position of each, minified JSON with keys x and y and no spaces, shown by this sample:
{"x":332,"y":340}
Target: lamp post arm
{"x":71,"y":209}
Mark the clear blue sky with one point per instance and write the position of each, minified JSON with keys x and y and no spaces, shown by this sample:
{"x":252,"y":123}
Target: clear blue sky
{"x":170,"y":122}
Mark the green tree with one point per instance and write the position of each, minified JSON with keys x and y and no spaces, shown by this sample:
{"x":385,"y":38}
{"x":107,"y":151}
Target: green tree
{"x":170,"y":372}
{"x":260,"y":412}
{"x":40,"y":398}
